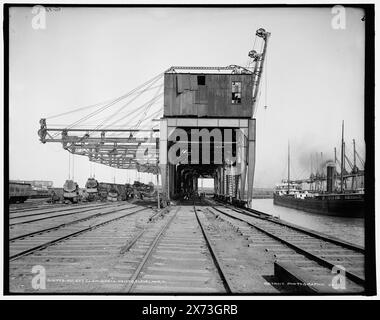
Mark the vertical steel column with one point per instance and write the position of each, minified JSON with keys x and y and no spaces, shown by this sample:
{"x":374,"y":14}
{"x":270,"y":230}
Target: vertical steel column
{"x":251,"y":157}
{"x":222,"y":180}
{"x":225,"y":190}
{"x":164,"y":159}
{"x":242,"y":138}
{"x":171,"y":180}
{"x":219,"y":175}
{"x":158,"y":193}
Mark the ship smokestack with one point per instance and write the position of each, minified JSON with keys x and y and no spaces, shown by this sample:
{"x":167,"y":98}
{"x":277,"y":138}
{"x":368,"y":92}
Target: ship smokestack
{"x":330,"y":176}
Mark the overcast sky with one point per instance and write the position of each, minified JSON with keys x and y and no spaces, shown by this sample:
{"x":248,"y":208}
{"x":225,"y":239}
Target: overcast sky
{"x":314,"y":77}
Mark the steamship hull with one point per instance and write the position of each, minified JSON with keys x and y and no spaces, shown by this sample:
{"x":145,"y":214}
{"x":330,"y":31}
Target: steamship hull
{"x":351,"y":205}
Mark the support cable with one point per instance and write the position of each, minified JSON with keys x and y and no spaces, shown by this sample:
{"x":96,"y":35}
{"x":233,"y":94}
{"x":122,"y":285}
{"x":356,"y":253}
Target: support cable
{"x":112,"y":102}
{"x":153,"y":100}
{"x":122,"y":107}
{"x":87,"y":107}
{"x":145,"y":111}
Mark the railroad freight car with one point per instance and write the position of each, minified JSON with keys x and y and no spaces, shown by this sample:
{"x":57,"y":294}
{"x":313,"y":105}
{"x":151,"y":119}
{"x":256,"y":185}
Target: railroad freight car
{"x":92,"y":189}
{"x":129,"y":191}
{"x":142,"y":190}
{"x":38,"y":193}
{"x":103,"y":190}
{"x":19,"y":192}
{"x":56,"y":195}
{"x":122,"y":190}
{"x":40,"y":189}
{"x":112,"y":191}
{"x":118,"y":192}
{"x":113,"y":194}
{"x":71,"y":191}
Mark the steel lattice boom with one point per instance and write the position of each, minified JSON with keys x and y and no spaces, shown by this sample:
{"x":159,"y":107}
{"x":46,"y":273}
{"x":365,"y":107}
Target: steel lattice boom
{"x":119,"y":148}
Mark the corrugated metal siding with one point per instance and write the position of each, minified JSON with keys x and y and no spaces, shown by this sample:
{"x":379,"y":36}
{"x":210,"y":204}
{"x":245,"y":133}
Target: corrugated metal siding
{"x":184,"y":97}
{"x":183,"y":83}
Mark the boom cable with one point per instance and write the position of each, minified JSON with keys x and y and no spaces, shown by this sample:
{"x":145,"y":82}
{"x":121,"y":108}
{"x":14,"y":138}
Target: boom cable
{"x":122,"y":107}
{"x":151,"y":81}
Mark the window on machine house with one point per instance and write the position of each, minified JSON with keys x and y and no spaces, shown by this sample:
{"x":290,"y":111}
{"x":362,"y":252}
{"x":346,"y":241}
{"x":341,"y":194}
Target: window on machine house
{"x":236,"y":92}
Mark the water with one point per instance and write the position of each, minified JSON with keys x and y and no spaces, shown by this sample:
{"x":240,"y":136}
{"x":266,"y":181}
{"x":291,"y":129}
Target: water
{"x":348,"y":229}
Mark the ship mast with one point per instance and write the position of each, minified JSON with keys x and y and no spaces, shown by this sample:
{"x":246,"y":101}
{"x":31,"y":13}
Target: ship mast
{"x":311,"y":172}
{"x":354,"y":169}
{"x":342,"y":160}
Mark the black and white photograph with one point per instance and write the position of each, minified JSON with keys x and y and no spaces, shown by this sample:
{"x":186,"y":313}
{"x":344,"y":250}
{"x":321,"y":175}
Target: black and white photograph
{"x":189,"y":150}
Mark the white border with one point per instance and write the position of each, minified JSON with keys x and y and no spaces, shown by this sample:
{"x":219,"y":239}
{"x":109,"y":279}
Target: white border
{"x":178,"y":297}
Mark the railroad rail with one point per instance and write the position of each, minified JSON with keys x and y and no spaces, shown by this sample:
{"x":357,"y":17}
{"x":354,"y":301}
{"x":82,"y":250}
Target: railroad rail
{"x":265,"y":216}
{"x":46,"y":206}
{"x":167,"y":247}
{"x":68,"y":231}
{"x":177,"y":242}
{"x":316,"y":254}
{"x":77,"y":211}
{"x":17,"y":232}
{"x":82,"y":257}
{"x":193,"y":247}
{"x":30,"y":207}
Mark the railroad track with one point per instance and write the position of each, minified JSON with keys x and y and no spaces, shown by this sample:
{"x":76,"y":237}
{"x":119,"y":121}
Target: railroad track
{"x":29,"y":204}
{"x":51,"y":208}
{"x":27,"y":243}
{"x":300,"y":254}
{"x":31,"y":228}
{"x":173,"y":256}
{"x":203,"y":248}
{"x":81,"y":260}
{"x":30,"y":218}
{"x":168,"y":253}
{"x":32,"y":207}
